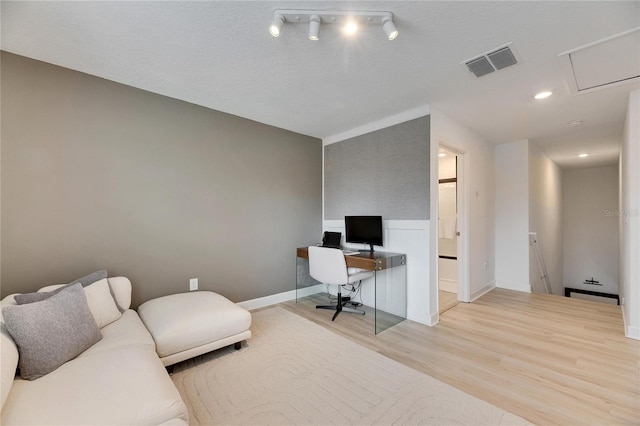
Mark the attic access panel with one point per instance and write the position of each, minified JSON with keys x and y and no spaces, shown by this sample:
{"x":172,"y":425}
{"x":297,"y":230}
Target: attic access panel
{"x":611,"y":61}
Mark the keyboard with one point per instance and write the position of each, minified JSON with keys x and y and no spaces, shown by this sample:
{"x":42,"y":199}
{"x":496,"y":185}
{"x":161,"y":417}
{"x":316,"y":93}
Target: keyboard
{"x":348,"y":252}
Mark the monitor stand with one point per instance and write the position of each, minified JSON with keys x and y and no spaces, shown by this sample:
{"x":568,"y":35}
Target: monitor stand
{"x":371,"y":248}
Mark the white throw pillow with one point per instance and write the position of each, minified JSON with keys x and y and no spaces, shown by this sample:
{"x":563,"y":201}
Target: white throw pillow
{"x":101,"y":303}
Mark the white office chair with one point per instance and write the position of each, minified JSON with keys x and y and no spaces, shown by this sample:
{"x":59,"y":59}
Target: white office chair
{"x":328,"y":266}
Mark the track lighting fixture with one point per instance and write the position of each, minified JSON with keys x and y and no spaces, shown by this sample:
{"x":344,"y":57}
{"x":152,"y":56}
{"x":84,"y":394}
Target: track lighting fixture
{"x":314,"y":27}
{"x":276,"y":25}
{"x":349,"y":20}
{"x":389,"y":27}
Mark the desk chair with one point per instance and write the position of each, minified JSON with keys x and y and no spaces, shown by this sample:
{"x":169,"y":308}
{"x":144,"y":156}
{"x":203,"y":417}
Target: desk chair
{"x":328,"y":266}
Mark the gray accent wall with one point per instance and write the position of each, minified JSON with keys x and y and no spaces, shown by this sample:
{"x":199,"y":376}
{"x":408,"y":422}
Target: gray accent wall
{"x":96,"y":174}
{"x":385,"y":172}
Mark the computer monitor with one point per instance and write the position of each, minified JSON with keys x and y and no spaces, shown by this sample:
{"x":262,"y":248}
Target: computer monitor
{"x":363,"y":229}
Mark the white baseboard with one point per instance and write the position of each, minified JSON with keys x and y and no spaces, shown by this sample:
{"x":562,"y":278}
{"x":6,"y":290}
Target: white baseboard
{"x":632,"y":332}
{"x":274,"y":299}
{"x":525,"y":288}
{"x":629,"y":331}
{"x":484,"y":290}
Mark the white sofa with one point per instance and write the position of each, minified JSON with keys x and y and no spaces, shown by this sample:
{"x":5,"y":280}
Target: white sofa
{"x":118,"y":381}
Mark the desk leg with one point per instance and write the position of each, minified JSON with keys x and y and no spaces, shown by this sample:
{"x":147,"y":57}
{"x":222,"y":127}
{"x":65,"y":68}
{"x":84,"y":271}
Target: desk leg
{"x":390,"y":297}
{"x":305,"y":285}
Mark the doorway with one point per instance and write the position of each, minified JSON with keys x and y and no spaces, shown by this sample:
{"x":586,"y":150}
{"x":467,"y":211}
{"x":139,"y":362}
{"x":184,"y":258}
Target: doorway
{"x":448,"y":213}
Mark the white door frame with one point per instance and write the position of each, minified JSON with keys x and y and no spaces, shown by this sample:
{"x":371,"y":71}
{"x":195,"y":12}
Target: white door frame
{"x":462,"y":244}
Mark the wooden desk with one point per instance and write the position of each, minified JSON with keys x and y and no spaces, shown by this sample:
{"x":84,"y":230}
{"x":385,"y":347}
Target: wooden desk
{"x":390,"y":293}
{"x":372,"y":261}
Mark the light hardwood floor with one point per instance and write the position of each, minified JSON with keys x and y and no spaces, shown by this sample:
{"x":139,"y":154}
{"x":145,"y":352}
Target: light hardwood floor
{"x":549,"y":359}
{"x":446,"y":301}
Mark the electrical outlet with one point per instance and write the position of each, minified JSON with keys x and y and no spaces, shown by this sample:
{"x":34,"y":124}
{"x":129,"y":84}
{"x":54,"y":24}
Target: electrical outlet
{"x":486,"y":265}
{"x":622,"y":302}
{"x":193,"y":284}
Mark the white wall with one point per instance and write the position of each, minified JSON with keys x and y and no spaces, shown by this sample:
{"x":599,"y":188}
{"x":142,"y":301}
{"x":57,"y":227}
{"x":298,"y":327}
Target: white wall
{"x":476,"y":182}
{"x":447,"y":166}
{"x":590,"y":228}
{"x":629,"y":218}
{"x":545,"y":218}
{"x":512,"y":215}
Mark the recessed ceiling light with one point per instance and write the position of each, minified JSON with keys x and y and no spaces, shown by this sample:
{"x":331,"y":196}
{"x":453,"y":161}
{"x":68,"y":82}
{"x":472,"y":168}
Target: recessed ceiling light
{"x":442,"y":154}
{"x":575,"y":123}
{"x":583,"y":155}
{"x":543,"y":95}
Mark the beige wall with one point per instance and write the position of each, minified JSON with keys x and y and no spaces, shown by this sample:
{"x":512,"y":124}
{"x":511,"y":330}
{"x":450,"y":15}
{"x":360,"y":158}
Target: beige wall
{"x":96,"y":175}
{"x":590,"y":228}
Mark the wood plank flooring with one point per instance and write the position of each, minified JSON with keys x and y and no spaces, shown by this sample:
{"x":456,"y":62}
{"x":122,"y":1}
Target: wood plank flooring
{"x":446,"y":301}
{"x":549,"y":359}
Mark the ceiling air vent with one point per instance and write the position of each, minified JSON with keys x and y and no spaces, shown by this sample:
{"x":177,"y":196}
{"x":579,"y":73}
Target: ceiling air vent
{"x":502,"y":58}
{"x":480,"y":66}
{"x":491,"y":61}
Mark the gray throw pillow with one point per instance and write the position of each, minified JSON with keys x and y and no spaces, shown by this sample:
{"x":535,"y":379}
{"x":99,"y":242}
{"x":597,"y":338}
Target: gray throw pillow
{"x":51,"y":332}
{"x":91,"y":278}
{"x":22,"y":299}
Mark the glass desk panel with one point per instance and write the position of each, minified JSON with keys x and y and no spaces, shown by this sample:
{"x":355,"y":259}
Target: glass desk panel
{"x":391,"y":297}
{"x":304,"y":282}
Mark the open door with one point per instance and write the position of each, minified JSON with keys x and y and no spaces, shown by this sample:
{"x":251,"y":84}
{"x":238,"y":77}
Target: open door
{"x":452,"y":265}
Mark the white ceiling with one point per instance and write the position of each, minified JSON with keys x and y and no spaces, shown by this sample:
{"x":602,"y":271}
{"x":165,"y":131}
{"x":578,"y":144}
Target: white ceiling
{"x":220,"y":55}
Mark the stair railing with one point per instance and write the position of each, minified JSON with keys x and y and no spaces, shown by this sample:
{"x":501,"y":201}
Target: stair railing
{"x":542,"y":268}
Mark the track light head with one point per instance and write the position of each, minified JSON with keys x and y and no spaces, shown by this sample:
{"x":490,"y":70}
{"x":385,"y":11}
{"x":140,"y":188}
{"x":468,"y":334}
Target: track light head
{"x":314,"y":27}
{"x":276,"y":25}
{"x":389,"y":27}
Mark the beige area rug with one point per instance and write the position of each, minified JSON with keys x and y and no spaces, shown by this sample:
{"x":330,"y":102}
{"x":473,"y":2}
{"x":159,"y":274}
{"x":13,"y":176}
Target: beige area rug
{"x":295,"y":372}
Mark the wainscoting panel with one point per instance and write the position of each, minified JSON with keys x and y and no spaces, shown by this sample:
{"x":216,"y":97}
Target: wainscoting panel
{"x":402,"y":236}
